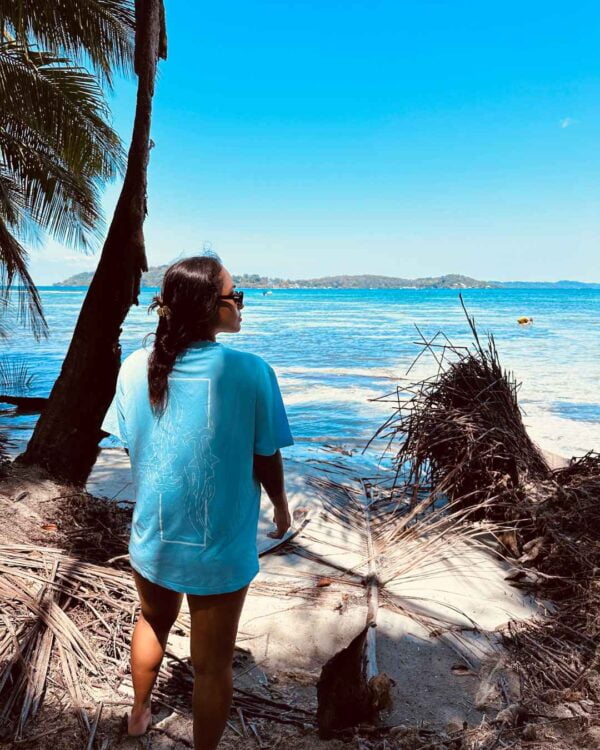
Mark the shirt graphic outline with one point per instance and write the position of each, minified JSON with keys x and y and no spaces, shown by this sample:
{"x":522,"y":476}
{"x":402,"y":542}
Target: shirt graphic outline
{"x":195,"y":480}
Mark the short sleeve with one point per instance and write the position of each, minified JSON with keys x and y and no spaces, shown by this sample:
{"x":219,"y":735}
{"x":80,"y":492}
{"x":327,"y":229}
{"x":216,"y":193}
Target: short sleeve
{"x":114,"y":419}
{"x":272,"y":430}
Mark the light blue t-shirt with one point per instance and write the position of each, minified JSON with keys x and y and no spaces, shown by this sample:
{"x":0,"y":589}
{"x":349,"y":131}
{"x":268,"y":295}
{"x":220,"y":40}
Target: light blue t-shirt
{"x":195,"y":518}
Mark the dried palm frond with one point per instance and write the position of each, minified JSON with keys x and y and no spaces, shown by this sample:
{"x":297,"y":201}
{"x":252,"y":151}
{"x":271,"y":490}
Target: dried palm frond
{"x":459,"y":435}
{"x":563,"y":652}
{"x":385,"y":536}
{"x":39,"y":588}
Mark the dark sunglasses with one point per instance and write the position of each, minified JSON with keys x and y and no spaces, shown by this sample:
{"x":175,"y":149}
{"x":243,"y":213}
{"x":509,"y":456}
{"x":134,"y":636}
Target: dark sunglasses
{"x":237,"y":297}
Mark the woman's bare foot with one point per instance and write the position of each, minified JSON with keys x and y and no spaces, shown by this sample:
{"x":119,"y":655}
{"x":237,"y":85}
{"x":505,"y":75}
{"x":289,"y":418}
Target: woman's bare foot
{"x":138,"y":721}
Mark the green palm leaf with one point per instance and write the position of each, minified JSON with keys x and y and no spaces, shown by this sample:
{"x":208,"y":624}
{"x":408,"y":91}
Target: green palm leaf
{"x":100,"y":31}
{"x":56,"y":149}
{"x":13,"y":267}
{"x":63,"y":105}
{"x":63,"y":203}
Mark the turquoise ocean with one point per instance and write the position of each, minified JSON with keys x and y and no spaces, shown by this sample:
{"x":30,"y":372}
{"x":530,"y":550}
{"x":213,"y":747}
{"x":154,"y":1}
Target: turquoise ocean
{"x":336,"y":350}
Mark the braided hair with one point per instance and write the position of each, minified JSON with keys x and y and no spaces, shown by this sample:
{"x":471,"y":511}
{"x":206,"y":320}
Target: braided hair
{"x":187,"y":307}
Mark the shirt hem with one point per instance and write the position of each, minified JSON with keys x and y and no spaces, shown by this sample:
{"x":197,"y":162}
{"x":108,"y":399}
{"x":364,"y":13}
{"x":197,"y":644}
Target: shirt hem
{"x":284,"y":444}
{"x":196,"y":590}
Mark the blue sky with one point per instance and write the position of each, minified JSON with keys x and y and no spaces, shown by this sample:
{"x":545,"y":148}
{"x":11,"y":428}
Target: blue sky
{"x":403,"y":138}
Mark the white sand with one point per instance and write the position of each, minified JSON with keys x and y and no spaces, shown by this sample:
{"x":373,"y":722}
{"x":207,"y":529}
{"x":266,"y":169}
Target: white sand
{"x":452,"y":603}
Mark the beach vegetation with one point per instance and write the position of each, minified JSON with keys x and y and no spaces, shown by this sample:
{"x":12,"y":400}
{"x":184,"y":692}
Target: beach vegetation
{"x":152,"y":278}
{"x":56,"y":145}
{"x":15,"y":377}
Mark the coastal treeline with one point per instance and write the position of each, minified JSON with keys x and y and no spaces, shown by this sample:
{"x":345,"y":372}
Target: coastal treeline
{"x":153,"y":278}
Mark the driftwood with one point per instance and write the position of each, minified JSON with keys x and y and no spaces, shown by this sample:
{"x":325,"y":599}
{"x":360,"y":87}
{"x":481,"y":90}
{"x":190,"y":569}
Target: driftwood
{"x":343,"y":695}
{"x":344,"y":691}
{"x":29,"y":404}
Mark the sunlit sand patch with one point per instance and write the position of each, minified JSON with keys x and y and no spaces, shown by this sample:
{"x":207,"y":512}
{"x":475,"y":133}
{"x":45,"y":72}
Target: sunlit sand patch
{"x":564,"y":436}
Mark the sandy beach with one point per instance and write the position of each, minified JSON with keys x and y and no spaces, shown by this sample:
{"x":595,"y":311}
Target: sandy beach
{"x":439,"y":624}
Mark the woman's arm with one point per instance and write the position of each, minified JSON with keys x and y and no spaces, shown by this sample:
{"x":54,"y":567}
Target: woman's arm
{"x":269,"y":472}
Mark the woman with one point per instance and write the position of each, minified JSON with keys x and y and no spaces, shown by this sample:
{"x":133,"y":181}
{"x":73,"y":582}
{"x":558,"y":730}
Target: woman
{"x":203,"y":425}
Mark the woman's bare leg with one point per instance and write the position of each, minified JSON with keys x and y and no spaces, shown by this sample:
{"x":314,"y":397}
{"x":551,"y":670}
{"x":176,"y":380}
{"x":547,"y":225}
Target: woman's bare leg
{"x":215,"y":620}
{"x":160,"y":608}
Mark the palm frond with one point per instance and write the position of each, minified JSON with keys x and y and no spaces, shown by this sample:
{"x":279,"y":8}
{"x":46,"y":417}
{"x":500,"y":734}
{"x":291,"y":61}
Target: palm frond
{"x":55,"y":150}
{"x":13,"y":207}
{"x":60,"y":104}
{"x":15,"y":375}
{"x":101,"y":31}
{"x":13,"y":267}
{"x":56,"y":146}
{"x":12,"y":203}
{"x":61,"y":202}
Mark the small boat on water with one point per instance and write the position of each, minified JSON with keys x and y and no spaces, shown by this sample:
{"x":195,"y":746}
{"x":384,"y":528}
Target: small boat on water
{"x":267,"y":291}
{"x":525,"y":321}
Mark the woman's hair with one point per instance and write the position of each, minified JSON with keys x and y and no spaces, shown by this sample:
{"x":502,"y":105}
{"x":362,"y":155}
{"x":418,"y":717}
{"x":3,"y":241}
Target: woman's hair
{"x":187,"y":306}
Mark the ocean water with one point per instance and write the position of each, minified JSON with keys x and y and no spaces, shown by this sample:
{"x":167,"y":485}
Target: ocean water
{"x":336,"y":350}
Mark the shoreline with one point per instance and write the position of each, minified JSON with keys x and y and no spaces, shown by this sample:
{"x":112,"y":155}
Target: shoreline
{"x":373,"y":344}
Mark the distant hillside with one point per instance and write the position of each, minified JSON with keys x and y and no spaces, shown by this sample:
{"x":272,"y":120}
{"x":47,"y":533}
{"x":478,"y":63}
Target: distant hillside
{"x":153,"y":278}
{"x":547,"y":284}
{"x":366,"y":281}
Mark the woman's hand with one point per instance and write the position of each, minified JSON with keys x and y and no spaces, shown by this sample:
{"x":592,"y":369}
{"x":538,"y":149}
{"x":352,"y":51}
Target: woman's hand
{"x":283,"y":521}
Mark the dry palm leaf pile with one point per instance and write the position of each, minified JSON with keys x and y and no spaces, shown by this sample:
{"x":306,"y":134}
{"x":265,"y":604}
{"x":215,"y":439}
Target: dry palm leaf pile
{"x":66,"y":618}
{"x":460,"y":435}
{"x":68,"y":611}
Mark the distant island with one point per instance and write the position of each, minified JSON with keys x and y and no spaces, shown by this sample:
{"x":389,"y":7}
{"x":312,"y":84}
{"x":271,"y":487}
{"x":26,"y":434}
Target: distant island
{"x":153,"y":279}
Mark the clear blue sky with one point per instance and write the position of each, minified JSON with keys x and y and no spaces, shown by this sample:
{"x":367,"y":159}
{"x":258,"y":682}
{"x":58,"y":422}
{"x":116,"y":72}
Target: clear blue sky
{"x":377,"y":136}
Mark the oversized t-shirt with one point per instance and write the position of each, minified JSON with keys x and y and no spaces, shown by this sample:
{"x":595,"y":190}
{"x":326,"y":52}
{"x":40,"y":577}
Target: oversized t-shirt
{"x":197,"y":503}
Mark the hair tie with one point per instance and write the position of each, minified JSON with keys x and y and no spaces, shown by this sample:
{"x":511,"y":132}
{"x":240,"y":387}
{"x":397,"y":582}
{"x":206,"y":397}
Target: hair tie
{"x":162,"y":310}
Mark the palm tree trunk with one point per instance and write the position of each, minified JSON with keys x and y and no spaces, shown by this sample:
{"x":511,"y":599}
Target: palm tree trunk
{"x":65,"y":440}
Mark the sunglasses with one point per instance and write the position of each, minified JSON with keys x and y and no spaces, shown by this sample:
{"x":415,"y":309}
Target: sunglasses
{"x":237,"y":297}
